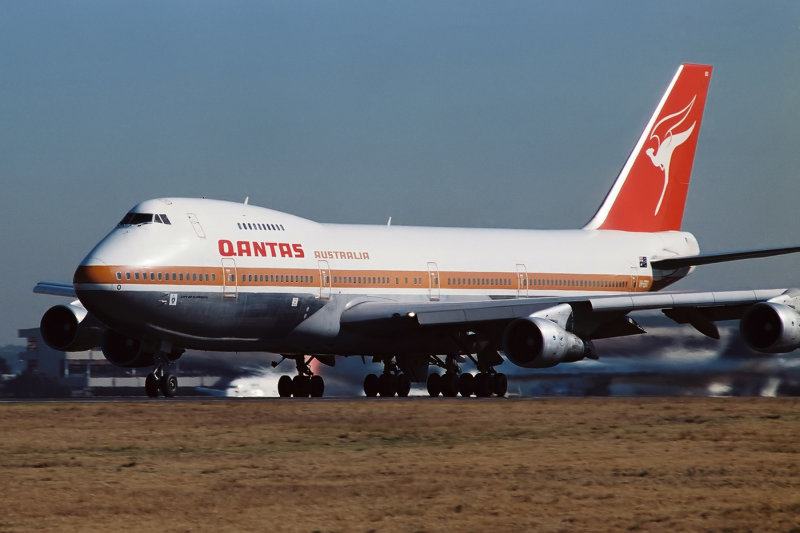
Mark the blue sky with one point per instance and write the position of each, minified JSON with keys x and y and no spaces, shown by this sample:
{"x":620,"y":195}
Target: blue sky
{"x":499,"y":114}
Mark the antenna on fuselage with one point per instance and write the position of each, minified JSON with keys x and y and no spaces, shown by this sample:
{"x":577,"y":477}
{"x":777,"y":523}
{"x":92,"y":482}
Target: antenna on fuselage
{"x":246,"y":200}
{"x":389,"y":222}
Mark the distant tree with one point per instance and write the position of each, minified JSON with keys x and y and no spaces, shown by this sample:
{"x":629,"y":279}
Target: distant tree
{"x":4,"y":367}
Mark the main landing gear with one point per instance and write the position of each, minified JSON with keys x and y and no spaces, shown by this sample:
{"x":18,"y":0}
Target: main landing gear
{"x":390,"y":383}
{"x":304,"y":384}
{"x":485,"y":383}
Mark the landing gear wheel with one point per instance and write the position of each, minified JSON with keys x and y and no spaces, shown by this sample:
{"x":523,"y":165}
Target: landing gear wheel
{"x":285,"y":386}
{"x":317,"y":386}
{"x":449,"y":385}
{"x":301,"y":386}
{"x":434,"y":385}
{"x":169,"y":385}
{"x":371,"y":385}
{"x":483,"y":385}
{"x":403,"y":385}
{"x":500,"y":384}
{"x":466,"y":385}
{"x":387,"y":385}
{"x":151,"y":385}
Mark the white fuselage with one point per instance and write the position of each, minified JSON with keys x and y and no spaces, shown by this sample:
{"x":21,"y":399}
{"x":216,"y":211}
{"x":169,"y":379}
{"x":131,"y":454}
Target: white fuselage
{"x":222,"y":274}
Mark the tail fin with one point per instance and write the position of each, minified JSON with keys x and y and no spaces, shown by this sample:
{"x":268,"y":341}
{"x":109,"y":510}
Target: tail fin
{"x":650,"y":192}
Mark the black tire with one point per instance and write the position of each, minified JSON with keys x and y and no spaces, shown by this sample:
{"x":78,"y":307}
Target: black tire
{"x":371,"y":385}
{"x":317,"y":386}
{"x":500,"y":384}
{"x":434,"y":385}
{"x":151,"y":385}
{"x":483,"y":385}
{"x":285,"y":386}
{"x":403,"y":385}
{"x":449,"y":385}
{"x":387,"y":385}
{"x":300,"y":386}
{"x":169,"y":385}
{"x":466,"y":384}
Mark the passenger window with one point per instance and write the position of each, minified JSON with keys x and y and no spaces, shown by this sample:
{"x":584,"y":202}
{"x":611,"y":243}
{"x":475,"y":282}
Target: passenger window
{"x":119,"y":275}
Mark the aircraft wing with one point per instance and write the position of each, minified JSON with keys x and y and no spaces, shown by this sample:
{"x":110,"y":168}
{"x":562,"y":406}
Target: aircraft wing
{"x":595,"y":317}
{"x":55,"y":288}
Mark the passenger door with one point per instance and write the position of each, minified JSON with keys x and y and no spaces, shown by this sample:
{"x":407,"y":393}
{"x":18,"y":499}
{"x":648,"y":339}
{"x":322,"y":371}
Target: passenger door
{"x":324,"y":280}
{"x":230,"y":284}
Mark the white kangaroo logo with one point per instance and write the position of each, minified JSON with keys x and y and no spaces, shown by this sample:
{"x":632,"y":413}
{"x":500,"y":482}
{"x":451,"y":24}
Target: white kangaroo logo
{"x":662,"y":155}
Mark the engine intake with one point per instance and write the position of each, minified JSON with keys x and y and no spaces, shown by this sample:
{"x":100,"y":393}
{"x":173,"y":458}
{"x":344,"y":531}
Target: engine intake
{"x":70,"y":328}
{"x":771,"y":327}
{"x":125,"y":351}
{"x":536,"y":342}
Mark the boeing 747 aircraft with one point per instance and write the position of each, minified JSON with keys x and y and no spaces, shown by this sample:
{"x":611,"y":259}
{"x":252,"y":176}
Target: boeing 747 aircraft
{"x":179,"y":274}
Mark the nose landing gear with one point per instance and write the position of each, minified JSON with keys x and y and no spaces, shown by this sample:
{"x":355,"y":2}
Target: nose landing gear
{"x":161,"y":379}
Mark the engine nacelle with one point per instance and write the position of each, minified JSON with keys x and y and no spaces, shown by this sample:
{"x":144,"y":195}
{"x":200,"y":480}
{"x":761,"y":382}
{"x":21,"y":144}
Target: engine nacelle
{"x":771,"y":327}
{"x":122,"y":350}
{"x":70,"y":328}
{"x":536,"y":342}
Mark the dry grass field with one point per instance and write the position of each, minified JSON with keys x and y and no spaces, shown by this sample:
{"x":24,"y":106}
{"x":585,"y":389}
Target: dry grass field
{"x":402,"y":465}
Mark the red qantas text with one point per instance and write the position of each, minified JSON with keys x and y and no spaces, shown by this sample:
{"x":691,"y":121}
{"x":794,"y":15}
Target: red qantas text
{"x":260,"y":249}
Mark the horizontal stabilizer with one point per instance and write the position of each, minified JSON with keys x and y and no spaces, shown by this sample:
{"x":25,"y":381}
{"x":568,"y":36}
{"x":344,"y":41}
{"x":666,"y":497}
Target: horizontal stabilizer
{"x":707,"y":259}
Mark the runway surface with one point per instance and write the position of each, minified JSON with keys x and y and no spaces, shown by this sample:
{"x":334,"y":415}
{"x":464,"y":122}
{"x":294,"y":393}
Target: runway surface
{"x":416,"y":464}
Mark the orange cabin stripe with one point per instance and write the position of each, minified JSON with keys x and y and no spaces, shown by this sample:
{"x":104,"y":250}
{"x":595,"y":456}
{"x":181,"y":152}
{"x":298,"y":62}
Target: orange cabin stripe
{"x":395,"y":279}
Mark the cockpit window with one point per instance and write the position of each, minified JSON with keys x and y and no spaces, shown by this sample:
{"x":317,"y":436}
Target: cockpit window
{"x":136,"y":219}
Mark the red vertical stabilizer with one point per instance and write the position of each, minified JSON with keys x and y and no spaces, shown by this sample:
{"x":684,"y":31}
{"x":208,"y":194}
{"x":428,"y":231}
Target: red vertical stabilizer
{"x":650,"y":192}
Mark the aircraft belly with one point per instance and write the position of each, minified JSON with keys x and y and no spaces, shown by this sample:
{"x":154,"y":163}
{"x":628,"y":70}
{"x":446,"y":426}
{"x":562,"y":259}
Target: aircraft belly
{"x":201,"y":320}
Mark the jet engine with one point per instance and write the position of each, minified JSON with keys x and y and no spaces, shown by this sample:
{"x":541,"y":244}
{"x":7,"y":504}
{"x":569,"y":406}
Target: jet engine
{"x":122,"y":350}
{"x":536,"y":342}
{"x":70,"y":328}
{"x":771,"y":327}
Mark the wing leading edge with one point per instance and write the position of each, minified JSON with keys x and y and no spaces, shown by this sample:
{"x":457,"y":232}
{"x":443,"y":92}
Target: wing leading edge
{"x":55,"y":288}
